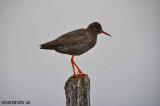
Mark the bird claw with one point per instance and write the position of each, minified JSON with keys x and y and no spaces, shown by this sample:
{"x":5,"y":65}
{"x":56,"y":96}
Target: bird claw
{"x":84,"y":74}
{"x":76,"y":76}
{"x":80,"y":73}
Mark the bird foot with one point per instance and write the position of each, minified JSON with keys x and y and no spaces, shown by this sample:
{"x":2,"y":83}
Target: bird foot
{"x":76,"y":76}
{"x":84,"y":74}
{"x":80,"y":73}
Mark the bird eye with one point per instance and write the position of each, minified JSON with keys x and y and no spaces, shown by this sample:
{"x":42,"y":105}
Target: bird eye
{"x":96,"y":27}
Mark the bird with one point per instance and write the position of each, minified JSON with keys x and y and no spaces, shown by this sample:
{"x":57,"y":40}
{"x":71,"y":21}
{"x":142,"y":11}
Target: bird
{"x":75,"y":43}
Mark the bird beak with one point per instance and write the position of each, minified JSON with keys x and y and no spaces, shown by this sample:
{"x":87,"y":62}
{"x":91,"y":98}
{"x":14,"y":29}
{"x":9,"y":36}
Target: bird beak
{"x":101,"y":31}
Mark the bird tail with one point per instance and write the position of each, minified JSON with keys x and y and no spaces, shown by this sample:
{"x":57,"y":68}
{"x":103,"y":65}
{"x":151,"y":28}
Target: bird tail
{"x":45,"y":46}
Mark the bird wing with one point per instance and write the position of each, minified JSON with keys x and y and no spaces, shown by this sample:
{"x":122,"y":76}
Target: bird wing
{"x":70,"y":38}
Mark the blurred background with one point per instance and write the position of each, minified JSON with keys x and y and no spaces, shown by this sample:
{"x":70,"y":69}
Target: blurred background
{"x":124,"y":69}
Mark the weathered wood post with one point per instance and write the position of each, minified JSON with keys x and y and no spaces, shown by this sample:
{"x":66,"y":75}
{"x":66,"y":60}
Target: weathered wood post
{"x":77,"y":91}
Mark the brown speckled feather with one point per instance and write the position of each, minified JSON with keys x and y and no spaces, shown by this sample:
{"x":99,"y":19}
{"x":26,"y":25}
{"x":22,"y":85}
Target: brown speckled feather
{"x":76,"y":42}
{"x":70,"y":38}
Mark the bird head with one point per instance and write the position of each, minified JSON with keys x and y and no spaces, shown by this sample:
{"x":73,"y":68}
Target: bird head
{"x":96,"y":28}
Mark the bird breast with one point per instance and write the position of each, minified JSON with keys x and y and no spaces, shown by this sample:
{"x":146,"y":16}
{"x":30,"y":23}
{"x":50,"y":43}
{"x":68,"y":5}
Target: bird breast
{"x":91,"y":40}
{"x":79,"y":48}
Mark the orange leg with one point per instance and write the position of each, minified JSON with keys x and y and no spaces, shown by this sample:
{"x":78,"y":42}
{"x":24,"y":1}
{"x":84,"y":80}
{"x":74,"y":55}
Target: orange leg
{"x":73,"y":67}
{"x":79,"y":69}
{"x":73,"y":63}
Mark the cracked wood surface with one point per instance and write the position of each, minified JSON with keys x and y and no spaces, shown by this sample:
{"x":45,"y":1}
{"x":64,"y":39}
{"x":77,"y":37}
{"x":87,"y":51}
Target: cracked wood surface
{"x":77,"y":91}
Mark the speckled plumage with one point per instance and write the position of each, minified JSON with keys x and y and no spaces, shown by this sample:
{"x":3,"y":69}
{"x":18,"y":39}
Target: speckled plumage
{"x":85,"y":43}
{"x":75,"y":42}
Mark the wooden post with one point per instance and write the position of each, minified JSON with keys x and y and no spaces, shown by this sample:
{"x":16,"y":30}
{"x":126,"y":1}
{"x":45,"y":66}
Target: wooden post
{"x":77,"y":91}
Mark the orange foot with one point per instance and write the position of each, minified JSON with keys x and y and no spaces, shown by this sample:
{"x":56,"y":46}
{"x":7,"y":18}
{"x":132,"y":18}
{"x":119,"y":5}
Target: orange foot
{"x":79,"y":71}
{"x":76,"y":76}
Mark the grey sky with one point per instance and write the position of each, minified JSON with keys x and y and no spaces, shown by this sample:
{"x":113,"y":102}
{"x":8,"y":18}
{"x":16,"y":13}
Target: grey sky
{"x":124,"y":69}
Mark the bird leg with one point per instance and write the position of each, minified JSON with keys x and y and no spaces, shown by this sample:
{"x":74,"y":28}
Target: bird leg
{"x":80,"y":72}
{"x":73,"y":63}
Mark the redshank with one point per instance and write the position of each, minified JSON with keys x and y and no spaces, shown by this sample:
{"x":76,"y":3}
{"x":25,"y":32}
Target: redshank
{"x":76,"y":42}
